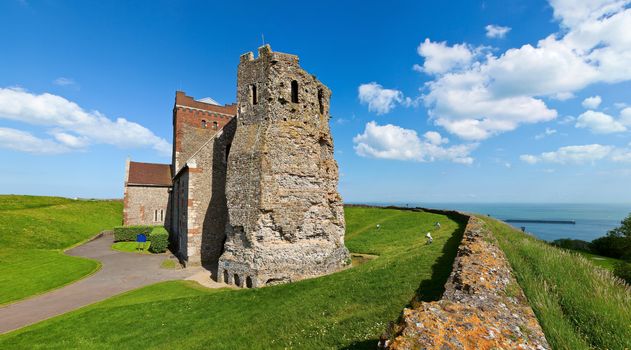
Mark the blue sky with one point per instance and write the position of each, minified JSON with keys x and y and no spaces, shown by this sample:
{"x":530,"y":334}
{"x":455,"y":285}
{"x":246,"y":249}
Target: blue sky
{"x":531,"y":95}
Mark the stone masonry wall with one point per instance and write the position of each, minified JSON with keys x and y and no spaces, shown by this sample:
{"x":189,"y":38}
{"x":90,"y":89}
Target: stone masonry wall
{"x":483,"y":307}
{"x":207,"y":208}
{"x":141,"y":203}
{"x":286,"y":220}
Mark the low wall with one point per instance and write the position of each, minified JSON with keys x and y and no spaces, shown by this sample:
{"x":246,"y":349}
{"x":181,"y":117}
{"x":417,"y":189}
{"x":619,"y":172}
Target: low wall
{"x":483,"y":306}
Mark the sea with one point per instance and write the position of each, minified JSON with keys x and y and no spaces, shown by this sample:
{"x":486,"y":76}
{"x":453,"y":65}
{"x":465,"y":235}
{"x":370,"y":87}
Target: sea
{"x":592,"y":220}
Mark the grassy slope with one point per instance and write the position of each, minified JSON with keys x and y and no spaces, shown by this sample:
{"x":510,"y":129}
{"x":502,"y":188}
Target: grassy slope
{"x":599,"y":260}
{"x":33,"y":233}
{"x":348,"y":309}
{"x":578,"y":305}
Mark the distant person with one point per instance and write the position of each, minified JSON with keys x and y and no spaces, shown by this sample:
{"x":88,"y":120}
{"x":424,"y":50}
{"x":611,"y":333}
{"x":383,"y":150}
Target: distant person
{"x":429,"y":238}
{"x":437,"y":224}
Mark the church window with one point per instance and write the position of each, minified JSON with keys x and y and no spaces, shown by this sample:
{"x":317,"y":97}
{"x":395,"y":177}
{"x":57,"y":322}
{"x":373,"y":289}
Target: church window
{"x":294,"y":91}
{"x":203,"y":124}
{"x":155,"y":215}
{"x":215,"y":125}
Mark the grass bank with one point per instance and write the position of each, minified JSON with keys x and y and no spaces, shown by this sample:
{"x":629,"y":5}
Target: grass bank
{"x":578,"y":305}
{"x":345,"y":310}
{"x":34,"y":231}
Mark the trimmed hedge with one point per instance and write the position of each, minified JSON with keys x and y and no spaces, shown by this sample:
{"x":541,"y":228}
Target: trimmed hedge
{"x":129,"y":233}
{"x":159,"y":238}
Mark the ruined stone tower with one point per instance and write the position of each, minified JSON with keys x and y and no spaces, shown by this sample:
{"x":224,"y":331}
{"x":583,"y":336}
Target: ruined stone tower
{"x":285,"y":216}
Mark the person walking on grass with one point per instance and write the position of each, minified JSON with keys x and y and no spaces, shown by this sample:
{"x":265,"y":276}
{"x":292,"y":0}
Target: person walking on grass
{"x":437,"y":224}
{"x":429,"y":238}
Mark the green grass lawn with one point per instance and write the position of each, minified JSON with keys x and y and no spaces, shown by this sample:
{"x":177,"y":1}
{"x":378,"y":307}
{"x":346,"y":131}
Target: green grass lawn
{"x":131,"y":247}
{"x":578,"y":305}
{"x":33,"y":233}
{"x":598,"y":260}
{"x":348,"y":309}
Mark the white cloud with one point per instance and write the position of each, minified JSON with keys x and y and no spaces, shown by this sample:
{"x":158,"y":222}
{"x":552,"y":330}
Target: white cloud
{"x":571,"y":154}
{"x":562,"y":96}
{"x":599,"y":123}
{"x":26,"y":142}
{"x":592,"y":102}
{"x":625,"y":117}
{"x":73,"y":127}
{"x":495,"y":31}
{"x":547,"y":132}
{"x":378,"y":99}
{"x":478,"y":96}
{"x":394,"y":142}
{"x":572,"y":13}
{"x":61,"y":81}
{"x":440,"y":58}
{"x":435,"y":138}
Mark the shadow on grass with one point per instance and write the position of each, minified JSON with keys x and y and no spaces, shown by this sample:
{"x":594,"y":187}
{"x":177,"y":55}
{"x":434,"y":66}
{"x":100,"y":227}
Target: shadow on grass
{"x":430,"y":289}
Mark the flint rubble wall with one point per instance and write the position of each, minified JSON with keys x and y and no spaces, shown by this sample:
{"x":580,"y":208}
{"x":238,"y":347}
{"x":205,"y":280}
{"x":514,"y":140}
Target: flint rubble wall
{"x":483,"y":306}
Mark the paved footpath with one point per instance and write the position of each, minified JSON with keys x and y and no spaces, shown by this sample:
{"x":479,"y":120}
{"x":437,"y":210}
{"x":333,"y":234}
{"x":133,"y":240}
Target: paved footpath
{"x":119,"y":273}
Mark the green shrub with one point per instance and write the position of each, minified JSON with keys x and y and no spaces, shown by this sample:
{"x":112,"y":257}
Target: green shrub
{"x":572,"y":244}
{"x":129,"y":233}
{"x":159,"y":240}
{"x":623,"y":270}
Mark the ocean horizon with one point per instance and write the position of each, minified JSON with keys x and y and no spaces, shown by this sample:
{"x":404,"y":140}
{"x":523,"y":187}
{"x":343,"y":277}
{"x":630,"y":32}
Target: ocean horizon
{"x":593,"y":220}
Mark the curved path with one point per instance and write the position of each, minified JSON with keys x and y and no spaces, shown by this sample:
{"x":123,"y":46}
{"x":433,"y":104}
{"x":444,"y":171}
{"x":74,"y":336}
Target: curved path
{"x":119,"y":273}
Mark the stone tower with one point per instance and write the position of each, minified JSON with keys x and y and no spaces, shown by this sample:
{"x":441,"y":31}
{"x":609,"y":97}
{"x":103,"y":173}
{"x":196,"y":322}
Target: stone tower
{"x":285,"y":216}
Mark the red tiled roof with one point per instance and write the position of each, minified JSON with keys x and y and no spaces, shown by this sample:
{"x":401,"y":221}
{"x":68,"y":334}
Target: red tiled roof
{"x":149,"y":174}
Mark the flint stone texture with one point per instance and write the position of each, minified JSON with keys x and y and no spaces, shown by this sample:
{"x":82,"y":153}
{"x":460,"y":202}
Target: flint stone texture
{"x":483,"y":306}
{"x":285,"y":216}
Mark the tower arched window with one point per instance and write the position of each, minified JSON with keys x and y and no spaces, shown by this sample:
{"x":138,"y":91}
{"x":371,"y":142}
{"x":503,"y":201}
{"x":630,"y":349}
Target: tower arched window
{"x":321,"y":101}
{"x":253,"y":94}
{"x":294,"y":91}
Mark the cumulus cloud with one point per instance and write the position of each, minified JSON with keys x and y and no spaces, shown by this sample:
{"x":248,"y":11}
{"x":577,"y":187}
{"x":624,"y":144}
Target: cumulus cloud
{"x":394,"y":142}
{"x":26,"y":142}
{"x":379,"y":99}
{"x":478,"y":96}
{"x":440,"y":57}
{"x":70,"y":125}
{"x":625,"y":117}
{"x":592,"y":102}
{"x":599,"y":123}
{"x":571,"y":154}
{"x":494,"y":31}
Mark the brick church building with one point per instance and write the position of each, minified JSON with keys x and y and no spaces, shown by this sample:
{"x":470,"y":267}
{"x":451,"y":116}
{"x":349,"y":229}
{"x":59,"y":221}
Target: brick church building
{"x":179,"y":195}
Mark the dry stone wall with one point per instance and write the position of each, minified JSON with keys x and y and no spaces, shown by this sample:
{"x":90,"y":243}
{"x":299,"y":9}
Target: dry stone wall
{"x":286,"y":219}
{"x":483,"y":307}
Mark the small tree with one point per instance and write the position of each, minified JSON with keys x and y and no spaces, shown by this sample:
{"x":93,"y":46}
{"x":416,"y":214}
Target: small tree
{"x":617,"y":242}
{"x":624,"y":230}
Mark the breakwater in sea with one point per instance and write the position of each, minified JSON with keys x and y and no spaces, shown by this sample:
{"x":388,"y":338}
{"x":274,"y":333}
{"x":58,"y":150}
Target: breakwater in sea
{"x":591,"y":220}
